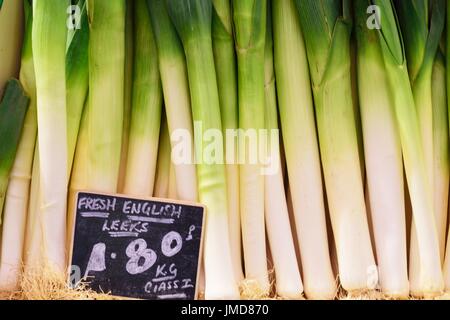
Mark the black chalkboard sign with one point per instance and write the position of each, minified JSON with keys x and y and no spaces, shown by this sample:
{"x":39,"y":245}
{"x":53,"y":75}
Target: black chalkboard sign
{"x":137,"y":248}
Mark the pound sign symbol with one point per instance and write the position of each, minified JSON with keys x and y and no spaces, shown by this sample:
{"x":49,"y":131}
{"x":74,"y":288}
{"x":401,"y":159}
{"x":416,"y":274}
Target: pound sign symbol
{"x":191,"y":229}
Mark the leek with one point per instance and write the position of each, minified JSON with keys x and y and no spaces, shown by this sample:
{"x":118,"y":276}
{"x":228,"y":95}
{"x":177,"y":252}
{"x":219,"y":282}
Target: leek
{"x":76,"y":91}
{"x":106,"y":93}
{"x":49,"y":49}
{"x":430,"y":281}
{"x":287,"y":273}
{"x":11,"y":32}
{"x":16,"y":202}
{"x":422,"y":22}
{"x":146,"y":108}
{"x":302,"y":151}
{"x":77,"y":80}
{"x":97,"y":158}
{"x":225,"y":62}
{"x":383,"y":160}
{"x":249,"y":19}
{"x":327,"y":26}
{"x":192,"y":19}
{"x":441,"y":148}
{"x":447,"y":253}
{"x":174,"y":78}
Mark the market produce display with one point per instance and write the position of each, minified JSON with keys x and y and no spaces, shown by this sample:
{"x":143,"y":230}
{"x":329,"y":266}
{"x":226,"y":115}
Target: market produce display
{"x":314,"y":132}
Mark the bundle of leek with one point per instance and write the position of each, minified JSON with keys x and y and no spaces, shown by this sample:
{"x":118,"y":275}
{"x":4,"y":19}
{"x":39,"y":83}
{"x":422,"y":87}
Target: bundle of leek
{"x":430,"y":280}
{"x":302,"y":150}
{"x":383,"y":159}
{"x":327,"y":27}
{"x":192,"y":20}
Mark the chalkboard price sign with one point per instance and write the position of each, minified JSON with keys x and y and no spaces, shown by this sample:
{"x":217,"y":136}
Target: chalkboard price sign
{"x":146,"y":249}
